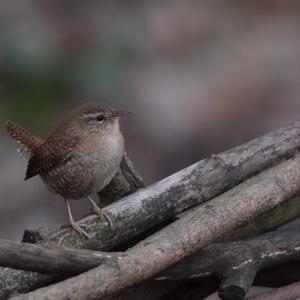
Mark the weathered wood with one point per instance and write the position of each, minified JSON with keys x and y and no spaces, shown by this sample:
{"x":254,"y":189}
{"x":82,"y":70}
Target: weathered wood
{"x":14,"y":281}
{"x":126,"y":181}
{"x":290,"y":292}
{"x":283,"y":213}
{"x":225,"y":259}
{"x":270,"y":220}
{"x":49,"y":259}
{"x":170,"y":196}
{"x":183,"y":237}
{"x":183,"y":190}
{"x":276,"y":276}
{"x":237,"y":282}
{"x":236,"y":263}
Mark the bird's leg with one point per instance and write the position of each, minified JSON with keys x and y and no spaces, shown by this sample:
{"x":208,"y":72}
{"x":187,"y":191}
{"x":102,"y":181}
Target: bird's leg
{"x":100,"y":212}
{"x":74,"y":224}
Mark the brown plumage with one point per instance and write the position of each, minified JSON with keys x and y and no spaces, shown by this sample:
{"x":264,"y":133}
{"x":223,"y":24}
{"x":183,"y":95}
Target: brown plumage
{"x":53,"y":152}
{"x":80,"y":157}
{"x":29,"y":143}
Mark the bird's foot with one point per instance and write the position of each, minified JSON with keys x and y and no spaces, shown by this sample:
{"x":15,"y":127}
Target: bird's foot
{"x":102,"y":214}
{"x":79,"y":228}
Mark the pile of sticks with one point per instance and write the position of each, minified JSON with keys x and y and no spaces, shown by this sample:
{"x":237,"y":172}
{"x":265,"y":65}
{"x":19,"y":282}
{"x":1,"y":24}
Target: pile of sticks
{"x":201,"y":229}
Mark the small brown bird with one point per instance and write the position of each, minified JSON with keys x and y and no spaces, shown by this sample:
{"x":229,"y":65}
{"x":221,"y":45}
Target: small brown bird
{"x":79,"y":158}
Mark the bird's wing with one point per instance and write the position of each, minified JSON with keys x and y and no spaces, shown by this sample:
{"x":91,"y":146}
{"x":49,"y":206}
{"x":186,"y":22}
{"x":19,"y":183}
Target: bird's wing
{"x":52,"y":153}
{"x":29,"y":143}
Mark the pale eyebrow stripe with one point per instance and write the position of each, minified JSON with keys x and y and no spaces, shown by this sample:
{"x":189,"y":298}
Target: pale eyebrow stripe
{"x":90,"y":116}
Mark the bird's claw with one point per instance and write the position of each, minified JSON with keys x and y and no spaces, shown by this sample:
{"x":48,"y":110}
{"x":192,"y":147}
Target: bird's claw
{"x":79,"y":229}
{"x":102,"y":214}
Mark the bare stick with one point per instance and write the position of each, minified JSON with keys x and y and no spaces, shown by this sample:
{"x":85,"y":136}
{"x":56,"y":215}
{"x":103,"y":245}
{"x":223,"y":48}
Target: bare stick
{"x":183,"y":190}
{"x":126,"y":181}
{"x":182,"y":238}
{"x":238,"y":282}
{"x":49,"y":259}
{"x":144,"y":209}
{"x":281,"y":214}
{"x":236,"y":263}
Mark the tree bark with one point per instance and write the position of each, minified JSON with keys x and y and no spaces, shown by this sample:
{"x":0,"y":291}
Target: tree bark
{"x":182,"y":238}
{"x":225,"y":259}
{"x":237,"y":282}
{"x":47,"y":259}
{"x":283,"y":213}
{"x":236,"y":263}
{"x":158,"y":202}
{"x":185,"y":189}
{"x":126,"y":181}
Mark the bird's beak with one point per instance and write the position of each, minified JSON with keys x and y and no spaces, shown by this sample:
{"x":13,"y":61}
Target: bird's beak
{"x":120,"y":113}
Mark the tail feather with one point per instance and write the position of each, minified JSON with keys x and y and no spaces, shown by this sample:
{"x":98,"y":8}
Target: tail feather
{"x":28,"y":141}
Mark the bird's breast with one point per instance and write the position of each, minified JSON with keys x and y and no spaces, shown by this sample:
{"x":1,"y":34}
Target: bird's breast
{"x":101,"y":155}
{"x":95,"y":161}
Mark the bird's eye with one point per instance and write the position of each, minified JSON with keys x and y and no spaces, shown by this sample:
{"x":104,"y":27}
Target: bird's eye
{"x":100,"y":118}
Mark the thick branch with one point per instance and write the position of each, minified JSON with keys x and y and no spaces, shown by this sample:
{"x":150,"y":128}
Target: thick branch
{"x":58,"y":260}
{"x":49,"y":259}
{"x":284,"y":213}
{"x":235,"y":262}
{"x":182,"y":238}
{"x":238,"y":262}
{"x":126,"y":181}
{"x":158,"y":202}
{"x":237,"y":282}
{"x":281,"y":214}
{"x":185,"y":189}
{"x":270,"y":220}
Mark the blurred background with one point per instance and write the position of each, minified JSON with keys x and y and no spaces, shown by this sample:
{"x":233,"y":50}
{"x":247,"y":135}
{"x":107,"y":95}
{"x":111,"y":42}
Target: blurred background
{"x":199,"y":76}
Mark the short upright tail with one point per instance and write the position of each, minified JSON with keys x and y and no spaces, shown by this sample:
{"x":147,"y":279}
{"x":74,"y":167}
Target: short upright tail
{"x":28,"y":141}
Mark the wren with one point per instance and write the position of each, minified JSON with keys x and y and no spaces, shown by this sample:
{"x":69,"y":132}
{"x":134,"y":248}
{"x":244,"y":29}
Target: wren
{"x":79,"y":158}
